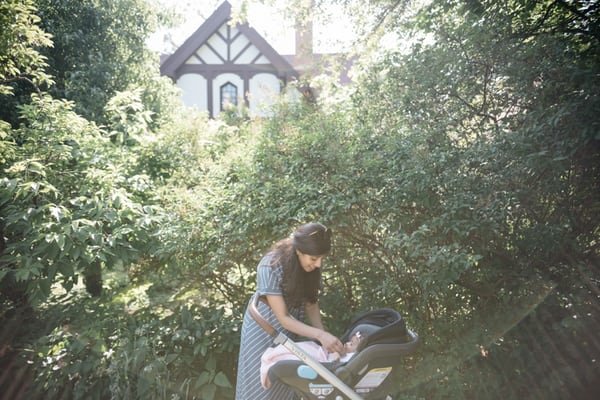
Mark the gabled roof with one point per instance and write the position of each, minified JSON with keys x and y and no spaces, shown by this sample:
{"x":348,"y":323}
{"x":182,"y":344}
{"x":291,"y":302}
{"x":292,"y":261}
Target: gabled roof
{"x":219,"y":17}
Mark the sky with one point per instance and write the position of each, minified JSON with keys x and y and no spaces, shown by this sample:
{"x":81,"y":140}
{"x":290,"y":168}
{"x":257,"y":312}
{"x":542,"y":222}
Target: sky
{"x":332,"y":30}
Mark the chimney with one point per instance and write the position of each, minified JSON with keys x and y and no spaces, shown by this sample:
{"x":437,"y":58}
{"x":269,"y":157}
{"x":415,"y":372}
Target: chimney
{"x":304,"y":32}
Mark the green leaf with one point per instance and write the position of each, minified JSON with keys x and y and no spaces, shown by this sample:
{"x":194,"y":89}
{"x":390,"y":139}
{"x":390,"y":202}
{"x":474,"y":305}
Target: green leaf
{"x":221,"y":380}
{"x":56,"y":212}
{"x":143,"y":387}
{"x":67,"y":285}
{"x":208,"y":391}
{"x":66,"y":269}
{"x":186,"y":317}
{"x":202,"y":380}
{"x":22,"y":274}
{"x":8,"y":259}
{"x":60,"y":240}
{"x":3,"y":273}
{"x":200,"y":348}
{"x":44,"y":286}
{"x":36,"y":168}
{"x":75,"y":253}
{"x":170,"y":358}
{"x":211,"y":364}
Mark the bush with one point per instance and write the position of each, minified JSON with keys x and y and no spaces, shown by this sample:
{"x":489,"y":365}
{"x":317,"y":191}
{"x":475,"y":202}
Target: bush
{"x":98,"y":351}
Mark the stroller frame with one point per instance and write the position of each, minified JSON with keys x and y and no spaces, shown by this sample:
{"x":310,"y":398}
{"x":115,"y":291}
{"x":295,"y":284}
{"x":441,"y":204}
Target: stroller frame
{"x":289,"y":344}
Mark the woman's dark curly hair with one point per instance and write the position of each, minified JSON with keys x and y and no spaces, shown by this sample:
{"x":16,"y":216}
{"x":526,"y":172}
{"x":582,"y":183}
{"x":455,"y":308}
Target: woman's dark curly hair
{"x":297,"y":285}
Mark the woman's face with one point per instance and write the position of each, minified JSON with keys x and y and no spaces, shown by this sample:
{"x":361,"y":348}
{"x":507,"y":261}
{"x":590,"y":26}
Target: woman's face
{"x":309,"y":263}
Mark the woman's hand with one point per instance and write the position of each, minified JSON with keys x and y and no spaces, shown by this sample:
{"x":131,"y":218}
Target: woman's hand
{"x":331,"y":343}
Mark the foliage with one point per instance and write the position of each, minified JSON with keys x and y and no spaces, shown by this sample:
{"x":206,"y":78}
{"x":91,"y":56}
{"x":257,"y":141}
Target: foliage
{"x":65,"y":206}
{"x":127,"y":118}
{"x":460,"y":180}
{"x":184,"y":354}
{"x":463,"y":173}
{"x":20,"y":39}
{"x":22,"y":64}
{"x":490,"y":164}
{"x":99,"y":49}
{"x":141,"y":354}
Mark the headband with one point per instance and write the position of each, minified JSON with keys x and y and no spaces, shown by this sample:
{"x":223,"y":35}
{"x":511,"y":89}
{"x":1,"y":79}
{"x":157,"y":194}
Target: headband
{"x":316,"y":242}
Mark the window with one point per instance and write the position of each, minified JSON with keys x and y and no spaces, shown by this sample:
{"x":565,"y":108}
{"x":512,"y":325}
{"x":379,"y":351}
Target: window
{"x":228,"y":95}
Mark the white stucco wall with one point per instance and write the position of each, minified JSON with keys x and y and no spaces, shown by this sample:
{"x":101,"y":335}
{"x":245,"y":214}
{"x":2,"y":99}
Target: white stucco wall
{"x":219,"y":81}
{"x":193,"y":91}
{"x":238,"y":45}
{"x":264,"y":91}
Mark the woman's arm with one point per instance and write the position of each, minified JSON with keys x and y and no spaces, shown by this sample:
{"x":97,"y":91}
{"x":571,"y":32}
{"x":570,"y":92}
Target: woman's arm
{"x":327,"y":340}
{"x":313,"y":313}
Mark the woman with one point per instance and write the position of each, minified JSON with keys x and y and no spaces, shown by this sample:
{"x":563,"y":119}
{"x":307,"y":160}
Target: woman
{"x":289,"y":277}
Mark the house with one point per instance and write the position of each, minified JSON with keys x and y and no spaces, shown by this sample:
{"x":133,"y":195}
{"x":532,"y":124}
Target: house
{"x":221,"y":65}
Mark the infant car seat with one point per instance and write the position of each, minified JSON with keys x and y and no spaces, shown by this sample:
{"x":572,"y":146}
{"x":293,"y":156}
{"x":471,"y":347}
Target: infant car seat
{"x":367,"y":375}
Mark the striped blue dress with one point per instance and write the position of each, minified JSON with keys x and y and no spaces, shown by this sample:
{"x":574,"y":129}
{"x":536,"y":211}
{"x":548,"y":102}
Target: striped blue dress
{"x":254,"y":340}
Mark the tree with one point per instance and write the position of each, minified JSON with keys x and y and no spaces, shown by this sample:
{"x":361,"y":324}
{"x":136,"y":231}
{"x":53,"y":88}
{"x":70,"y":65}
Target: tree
{"x":483,"y":129}
{"x":22,"y":66}
{"x":66,"y":205}
{"x":69,"y":203}
{"x":20,"y":40}
{"x":461,"y":181}
{"x":99,"y":49}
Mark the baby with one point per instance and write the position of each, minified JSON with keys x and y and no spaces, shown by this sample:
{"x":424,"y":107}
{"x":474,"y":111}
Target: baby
{"x":279,"y":352}
{"x":349,"y":348}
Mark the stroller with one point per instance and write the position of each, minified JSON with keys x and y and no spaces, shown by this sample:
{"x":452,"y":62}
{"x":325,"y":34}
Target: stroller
{"x":367,"y":375}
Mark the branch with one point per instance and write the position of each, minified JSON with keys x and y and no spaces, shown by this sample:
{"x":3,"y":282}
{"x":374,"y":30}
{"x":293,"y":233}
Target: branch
{"x":384,"y":15}
{"x":21,"y":78}
{"x":544,"y":18}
